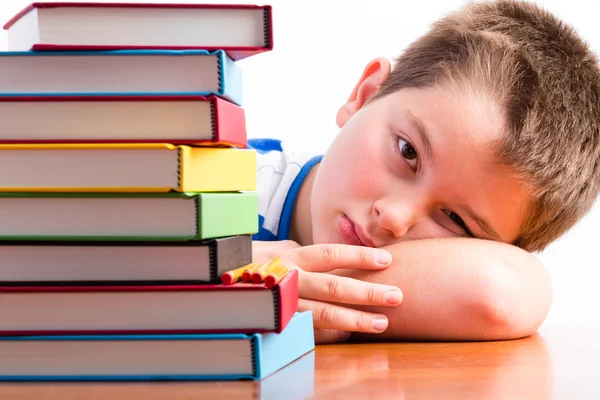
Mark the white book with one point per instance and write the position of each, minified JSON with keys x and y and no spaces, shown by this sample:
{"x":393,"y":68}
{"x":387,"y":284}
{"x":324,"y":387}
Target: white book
{"x":192,"y":261}
{"x":207,"y":121}
{"x":241,"y":30}
{"x":120,"y":73}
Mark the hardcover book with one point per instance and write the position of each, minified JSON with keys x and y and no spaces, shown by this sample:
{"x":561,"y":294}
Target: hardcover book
{"x":156,"y":357}
{"x":206,"y":121}
{"x":122,"y":263}
{"x":239,"y":29}
{"x":126,"y":216}
{"x":125,"y":167}
{"x":140,"y":73}
{"x":240,"y":307}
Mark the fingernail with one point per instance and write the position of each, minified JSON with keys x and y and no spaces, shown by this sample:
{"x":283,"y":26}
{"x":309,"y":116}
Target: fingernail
{"x":393,"y":297}
{"x":345,"y":336}
{"x":380,"y":324}
{"x":383,"y":258}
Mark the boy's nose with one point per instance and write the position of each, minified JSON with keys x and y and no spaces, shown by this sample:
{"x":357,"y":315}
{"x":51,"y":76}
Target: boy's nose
{"x":395,"y":218}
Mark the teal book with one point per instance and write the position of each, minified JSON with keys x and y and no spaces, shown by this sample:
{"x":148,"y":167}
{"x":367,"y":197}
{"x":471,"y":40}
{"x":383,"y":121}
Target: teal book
{"x":120,"y":73}
{"x":155,"y":357}
{"x":127,"y":216}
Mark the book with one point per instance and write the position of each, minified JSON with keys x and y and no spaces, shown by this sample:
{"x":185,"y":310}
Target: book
{"x":127,"y":167}
{"x":140,"y":72}
{"x":55,"y":310}
{"x":206,"y":121}
{"x":240,"y":30}
{"x":155,"y":357}
{"x":126,"y":216}
{"x":122,"y":263}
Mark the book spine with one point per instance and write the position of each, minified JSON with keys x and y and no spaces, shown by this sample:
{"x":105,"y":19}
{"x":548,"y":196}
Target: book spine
{"x":217,"y":169}
{"x":223,"y":213}
{"x":276,"y":350}
{"x":286,"y":297}
{"x":230,"y":253}
{"x":229,"y":123}
{"x":230,"y":78}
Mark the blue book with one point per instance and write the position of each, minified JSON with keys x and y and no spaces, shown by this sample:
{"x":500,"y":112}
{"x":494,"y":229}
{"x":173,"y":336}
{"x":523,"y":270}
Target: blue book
{"x":155,"y":357}
{"x":119,"y":73}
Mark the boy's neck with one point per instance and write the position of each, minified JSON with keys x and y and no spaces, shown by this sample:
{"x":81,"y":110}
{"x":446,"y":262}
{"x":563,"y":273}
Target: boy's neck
{"x":301,"y":226}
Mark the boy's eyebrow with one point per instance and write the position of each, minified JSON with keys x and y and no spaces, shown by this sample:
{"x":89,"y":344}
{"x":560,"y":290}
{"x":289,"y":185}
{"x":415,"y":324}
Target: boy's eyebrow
{"x":418,"y":126}
{"x":483,"y":224}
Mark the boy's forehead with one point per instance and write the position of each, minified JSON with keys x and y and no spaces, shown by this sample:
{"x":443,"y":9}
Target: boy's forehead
{"x":452,"y":112}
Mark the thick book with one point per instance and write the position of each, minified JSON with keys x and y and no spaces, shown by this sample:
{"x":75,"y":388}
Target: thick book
{"x":239,"y":29}
{"x":127,"y":167}
{"x":240,"y":307}
{"x":120,"y":73}
{"x":123,"y":263}
{"x":126,"y":216}
{"x":195,"y":120}
{"x":155,"y":357}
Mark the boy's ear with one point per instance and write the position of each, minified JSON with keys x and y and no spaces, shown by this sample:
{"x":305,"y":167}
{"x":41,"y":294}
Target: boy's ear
{"x":375,"y":73}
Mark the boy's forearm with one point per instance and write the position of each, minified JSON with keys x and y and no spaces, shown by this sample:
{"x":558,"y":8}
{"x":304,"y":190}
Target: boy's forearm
{"x":462,"y":289}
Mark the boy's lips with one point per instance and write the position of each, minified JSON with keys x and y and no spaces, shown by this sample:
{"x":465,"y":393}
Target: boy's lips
{"x":353,"y":234}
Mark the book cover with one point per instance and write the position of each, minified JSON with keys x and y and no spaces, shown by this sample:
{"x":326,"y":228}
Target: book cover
{"x":170,"y":216}
{"x":206,"y":121}
{"x":91,"y":73}
{"x":126,"y":167}
{"x":155,"y":357}
{"x":241,"y":30}
{"x":241,"y":307}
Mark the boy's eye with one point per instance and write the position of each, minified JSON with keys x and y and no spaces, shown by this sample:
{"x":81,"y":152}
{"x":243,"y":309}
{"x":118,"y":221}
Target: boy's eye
{"x":408,"y":152}
{"x":458,"y":221}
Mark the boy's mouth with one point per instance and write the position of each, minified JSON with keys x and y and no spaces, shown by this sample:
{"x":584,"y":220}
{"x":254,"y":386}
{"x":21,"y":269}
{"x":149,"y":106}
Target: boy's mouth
{"x":353,"y":234}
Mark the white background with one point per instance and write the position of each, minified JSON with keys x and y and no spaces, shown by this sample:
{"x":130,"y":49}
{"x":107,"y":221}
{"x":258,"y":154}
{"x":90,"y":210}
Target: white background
{"x":321,"y":48}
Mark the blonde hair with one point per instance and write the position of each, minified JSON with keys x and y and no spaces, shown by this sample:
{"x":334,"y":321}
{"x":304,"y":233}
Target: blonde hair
{"x":546,"y":81}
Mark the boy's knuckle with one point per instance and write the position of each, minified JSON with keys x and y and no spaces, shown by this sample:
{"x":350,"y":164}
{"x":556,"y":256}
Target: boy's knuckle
{"x":289,"y":244}
{"x":331,"y":254}
{"x":327,"y":315}
{"x":371,"y":295}
{"x":362,"y":256}
{"x":336,"y":289}
{"x":359,"y":322}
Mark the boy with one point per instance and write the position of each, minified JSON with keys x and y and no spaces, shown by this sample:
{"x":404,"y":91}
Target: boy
{"x":481,"y":145}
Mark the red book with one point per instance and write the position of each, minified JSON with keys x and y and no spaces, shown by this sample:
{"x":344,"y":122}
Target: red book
{"x":60,"y":310}
{"x":207,"y":121}
{"x":239,"y":30}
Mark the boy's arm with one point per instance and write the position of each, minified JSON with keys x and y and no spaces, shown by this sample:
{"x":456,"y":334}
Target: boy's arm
{"x":461,"y":289}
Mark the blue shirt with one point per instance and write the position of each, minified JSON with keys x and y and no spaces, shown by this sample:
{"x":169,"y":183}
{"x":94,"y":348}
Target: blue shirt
{"x":280,"y":173}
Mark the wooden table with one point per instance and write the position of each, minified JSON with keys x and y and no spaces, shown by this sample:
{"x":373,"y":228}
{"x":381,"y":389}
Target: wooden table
{"x":556,"y":363}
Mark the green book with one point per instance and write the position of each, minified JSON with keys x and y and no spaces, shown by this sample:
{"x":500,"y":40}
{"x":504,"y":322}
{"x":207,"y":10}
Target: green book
{"x":127,"y":216}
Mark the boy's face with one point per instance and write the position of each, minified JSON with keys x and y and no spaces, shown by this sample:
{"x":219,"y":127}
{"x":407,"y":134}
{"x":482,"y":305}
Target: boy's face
{"x":415,"y":164}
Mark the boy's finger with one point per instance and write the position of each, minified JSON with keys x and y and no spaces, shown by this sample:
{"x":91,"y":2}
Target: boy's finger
{"x":331,"y":316}
{"x":327,"y":257}
{"x":340,"y":289}
{"x":325,"y":336}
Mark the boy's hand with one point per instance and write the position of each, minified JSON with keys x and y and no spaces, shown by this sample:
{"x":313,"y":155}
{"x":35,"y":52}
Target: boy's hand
{"x":325,"y":294}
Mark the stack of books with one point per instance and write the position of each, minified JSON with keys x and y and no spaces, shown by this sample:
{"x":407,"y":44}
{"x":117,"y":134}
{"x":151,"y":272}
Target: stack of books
{"x":127,"y":191}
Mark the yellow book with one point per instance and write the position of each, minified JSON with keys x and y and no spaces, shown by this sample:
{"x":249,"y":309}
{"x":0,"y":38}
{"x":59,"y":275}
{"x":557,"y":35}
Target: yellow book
{"x":125,"y":168}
